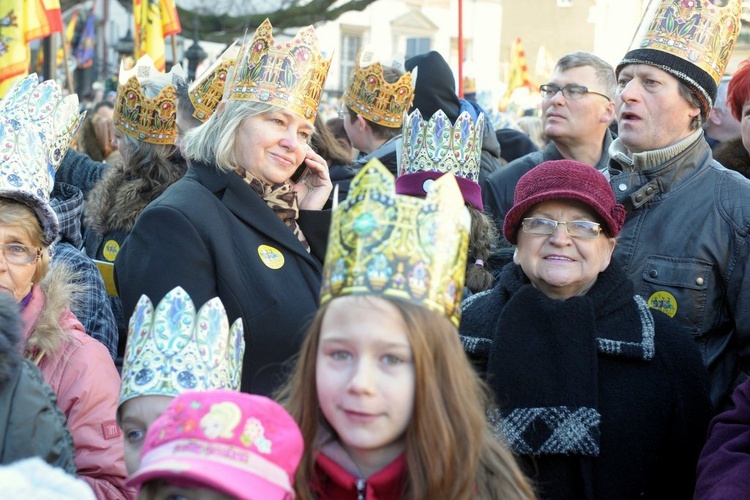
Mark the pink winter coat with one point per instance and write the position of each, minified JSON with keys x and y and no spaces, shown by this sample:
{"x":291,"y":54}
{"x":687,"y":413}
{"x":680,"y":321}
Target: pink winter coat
{"x":83,"y":376}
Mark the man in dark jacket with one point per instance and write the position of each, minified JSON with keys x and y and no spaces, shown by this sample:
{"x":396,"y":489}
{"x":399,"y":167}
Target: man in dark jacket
{"x":686,"y":240}
{"x":577,"y":108}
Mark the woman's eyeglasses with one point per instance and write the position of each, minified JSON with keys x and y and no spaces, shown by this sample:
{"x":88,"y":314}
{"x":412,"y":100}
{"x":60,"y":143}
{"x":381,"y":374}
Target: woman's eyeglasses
{"x":576,"y":228}
{"x":20,"y":255}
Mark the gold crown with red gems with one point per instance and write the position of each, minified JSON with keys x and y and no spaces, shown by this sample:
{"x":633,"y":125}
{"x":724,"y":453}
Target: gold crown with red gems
{"x":399,"y":247}
{"x":148,"y":119}
{"x":370,"y":95}
{"x":206,"y":91}
{"x":289,"y":74}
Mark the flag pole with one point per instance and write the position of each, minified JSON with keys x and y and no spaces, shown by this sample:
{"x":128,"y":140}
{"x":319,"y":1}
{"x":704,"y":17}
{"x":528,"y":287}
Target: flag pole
{"x":460,"y":49}
{"x":68,"y":74}
{"x":174,"y":50}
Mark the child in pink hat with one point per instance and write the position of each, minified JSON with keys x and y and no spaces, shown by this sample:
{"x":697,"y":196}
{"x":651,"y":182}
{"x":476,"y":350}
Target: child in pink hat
{"x":235,"y":444}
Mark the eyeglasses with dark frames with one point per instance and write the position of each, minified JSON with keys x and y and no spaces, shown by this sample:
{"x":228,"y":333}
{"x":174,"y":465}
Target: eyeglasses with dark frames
{"x":540,"y":226}
{"x":570,"y":91}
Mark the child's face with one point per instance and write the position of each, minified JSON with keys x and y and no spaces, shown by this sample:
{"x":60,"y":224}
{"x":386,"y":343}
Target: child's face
{"x":365,"y":377}
{"x":168,"y":492}
{"x":135,"y":416}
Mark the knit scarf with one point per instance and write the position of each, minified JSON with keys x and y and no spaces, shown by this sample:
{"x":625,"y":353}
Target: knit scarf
{"x":281,"y":199}
{"x":543,"y":363}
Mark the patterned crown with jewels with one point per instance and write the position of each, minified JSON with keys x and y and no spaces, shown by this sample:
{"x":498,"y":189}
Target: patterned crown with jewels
{"x":399,"y":247}
{"x":148,"y":119}
{"x":436,"y":145}
{"x":370,"y":95}
{"x":696,"y":32}
{"x":172,"y":349}
{"x":207,"y":90}
{"x":289,"y":74}
{"x":37,"y":126}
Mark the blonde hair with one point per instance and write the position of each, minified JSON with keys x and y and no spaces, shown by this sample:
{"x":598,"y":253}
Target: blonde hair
{"x":451,"y":452}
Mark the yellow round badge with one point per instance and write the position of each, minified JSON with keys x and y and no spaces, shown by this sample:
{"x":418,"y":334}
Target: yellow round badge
{"x":111,"y":249}
{"x":271,"y":257}
{"x":664,"y":302}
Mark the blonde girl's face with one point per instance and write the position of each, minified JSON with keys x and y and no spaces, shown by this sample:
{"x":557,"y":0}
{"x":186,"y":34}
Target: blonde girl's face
{"x":365,"y":378}
{"x":136,"y":415}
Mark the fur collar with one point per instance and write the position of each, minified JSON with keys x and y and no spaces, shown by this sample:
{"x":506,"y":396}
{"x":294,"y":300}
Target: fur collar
{"x":733,"y":155}
{"x":117,"y":199}
{"x":47,"y":317}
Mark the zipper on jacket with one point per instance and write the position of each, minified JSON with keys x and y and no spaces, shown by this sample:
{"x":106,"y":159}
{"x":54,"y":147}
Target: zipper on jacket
{"x":361,"y":491}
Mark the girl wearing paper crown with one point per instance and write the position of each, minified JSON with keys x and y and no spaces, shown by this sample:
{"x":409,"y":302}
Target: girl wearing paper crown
{"x":36,"y":127}
{"x":436,"y":146}
{"x":236,"y":226}
{"x":387,"y":403}
{"x":172,"y":349}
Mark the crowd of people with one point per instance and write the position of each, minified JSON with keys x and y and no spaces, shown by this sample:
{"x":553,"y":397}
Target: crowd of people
{"x":211,"y":291}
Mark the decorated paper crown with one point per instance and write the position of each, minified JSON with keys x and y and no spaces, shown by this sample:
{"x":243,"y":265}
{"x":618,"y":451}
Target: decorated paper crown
{"x":172,"y":349}
{"x":434,"y":147}
{"x":691,"y":39}
{"x":148,"y":119}
{"x":399,"y":247}
{"x":206,"y":91}
{"x":37,"y":125}
{"x":288,"y":74}
{"x":371,"y":96}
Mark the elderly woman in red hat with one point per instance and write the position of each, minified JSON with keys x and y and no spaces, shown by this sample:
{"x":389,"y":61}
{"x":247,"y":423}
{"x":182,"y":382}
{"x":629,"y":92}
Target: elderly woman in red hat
{"x":598,"y":395}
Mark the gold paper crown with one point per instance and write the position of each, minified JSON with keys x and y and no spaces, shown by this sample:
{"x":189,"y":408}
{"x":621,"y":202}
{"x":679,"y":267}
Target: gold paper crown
{"x":399,"y":247}
{"x":147,"y":119}
{"x":436,"y":145}
{"x":371,"y":96}
{"x":174,"y":349}
{"x":695,"y":32}
{"x":206,"y":91}
{"x":287,"y":74}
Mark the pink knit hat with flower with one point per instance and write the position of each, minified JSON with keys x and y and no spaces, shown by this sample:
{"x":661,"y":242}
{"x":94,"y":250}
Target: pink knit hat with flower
{"x":564,"y":179}
{"x":242,"y":445}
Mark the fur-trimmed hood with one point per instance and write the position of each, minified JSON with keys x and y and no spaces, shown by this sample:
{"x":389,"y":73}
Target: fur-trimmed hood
{"x":733,"y":155}
{"x":117,"y":199}
{"x":47,"y":318}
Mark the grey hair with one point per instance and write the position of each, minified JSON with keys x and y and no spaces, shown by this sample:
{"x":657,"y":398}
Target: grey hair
{"x":689,"y":95}
{"x":604,"y":71}
{"x":214,"y":141}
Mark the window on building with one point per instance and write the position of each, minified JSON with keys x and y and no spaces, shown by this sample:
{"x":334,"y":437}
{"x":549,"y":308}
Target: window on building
{"x":416,"y":46}
{"x":350,"y":45}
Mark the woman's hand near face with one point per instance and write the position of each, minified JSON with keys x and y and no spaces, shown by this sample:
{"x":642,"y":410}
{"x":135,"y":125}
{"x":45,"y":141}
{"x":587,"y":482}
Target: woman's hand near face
{"x":315,"y":185}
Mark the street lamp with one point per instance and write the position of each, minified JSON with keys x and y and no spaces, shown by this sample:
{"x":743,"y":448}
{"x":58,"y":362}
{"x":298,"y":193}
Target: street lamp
{"x":125,"y":46}
{"x":194,"y":54}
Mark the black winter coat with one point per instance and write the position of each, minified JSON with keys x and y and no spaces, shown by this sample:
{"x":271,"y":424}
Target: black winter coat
{"x":211,"y":234}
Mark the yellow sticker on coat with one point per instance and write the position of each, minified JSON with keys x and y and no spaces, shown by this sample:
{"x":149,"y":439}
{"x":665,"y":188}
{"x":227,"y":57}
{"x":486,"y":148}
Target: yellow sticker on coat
{"x":271,"y":257}
{"x":664,"y":302}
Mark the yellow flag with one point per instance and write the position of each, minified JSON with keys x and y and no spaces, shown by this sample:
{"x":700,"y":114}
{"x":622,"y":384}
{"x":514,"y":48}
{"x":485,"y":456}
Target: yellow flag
{"x":519,"y":73}
{"x":70,"y":30}
{"x":154,"y":21}
{"x":21,"y":21}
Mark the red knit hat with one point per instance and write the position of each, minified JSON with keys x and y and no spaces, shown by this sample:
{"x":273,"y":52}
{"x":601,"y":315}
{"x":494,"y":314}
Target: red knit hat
{"x":564,"y":179}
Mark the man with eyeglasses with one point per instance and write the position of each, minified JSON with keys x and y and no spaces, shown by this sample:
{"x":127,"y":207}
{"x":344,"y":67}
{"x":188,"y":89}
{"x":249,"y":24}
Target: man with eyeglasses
{"x":577,"y":109}
{"x":686,"y":239}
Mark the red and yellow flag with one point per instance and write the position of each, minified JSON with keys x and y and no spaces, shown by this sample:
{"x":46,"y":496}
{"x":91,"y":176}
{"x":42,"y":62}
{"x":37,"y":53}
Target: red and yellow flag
{"x":154,"y":21}
{"x":53,"y":15}
{"x":519,"y":73}
{"x":21,"y":21}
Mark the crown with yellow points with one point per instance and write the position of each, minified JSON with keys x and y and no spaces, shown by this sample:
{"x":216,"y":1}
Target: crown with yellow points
{"x":436,"y":146}
{"x":37,"y":125}
{"x":148,"y":119}
{"x":206,"y":91}
{"x":399,"y":247}
{"x":691,"y":39}
{"x":370,"y":95}
{"x":172,"y":349}
{"x":289,"y":74}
